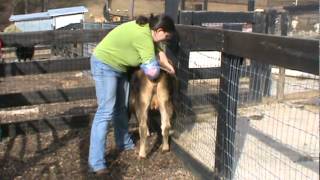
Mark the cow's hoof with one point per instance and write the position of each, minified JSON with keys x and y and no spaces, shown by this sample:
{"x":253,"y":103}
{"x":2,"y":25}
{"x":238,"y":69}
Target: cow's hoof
{"x":165,"y":150}
{"x":142,"y":157}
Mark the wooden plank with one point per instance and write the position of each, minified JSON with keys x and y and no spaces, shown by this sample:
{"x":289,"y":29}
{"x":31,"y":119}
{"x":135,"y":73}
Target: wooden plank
{"x":185,"y":17}
{"x":291,"y":53}
{"x":45,"y":66}
{"x":200,"y":38}
{"x":12,"y":49}
{"x":204,"y":73}
{"x":200,"y":17}
{"x":49,"y":96}
{"x":303,"y":9}
{"x":211,"y":73}
{"x":53,"y":37}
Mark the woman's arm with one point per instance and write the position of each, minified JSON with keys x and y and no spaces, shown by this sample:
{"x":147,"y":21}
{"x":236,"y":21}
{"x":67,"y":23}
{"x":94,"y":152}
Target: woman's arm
{"x":164,"y":63}
{"x":152,"y":68}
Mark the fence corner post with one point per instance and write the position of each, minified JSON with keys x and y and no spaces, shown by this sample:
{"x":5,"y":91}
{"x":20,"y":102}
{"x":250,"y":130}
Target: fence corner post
{"x":227,"y":116}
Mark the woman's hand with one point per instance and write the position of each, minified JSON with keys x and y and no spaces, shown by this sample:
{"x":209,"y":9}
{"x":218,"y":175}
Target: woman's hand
{"x":165,"y":64}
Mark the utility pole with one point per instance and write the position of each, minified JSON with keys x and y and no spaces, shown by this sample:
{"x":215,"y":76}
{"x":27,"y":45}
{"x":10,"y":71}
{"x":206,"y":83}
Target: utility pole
{"x":251,"y":5}
{"x":205,"y":5}
{"x":106,"y":2}
{"x":26,"y":6}
{"x":131,"y":9}
{"x":45,"y":5}
{"x":183,"y":5}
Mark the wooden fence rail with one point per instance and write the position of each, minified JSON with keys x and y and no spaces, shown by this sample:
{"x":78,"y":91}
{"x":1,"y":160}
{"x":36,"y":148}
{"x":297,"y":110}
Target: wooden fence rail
{"x":52,"y":37}
{"x":43,"y":67}
{"x":291,"y":53}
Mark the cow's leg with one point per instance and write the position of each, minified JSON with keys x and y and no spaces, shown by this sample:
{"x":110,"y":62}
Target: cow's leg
{"x":142,"y":115}
{"x":166,"y":114}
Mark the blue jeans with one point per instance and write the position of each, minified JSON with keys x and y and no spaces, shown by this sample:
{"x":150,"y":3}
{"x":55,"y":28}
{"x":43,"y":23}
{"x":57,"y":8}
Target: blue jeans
{"x":112,"y":91}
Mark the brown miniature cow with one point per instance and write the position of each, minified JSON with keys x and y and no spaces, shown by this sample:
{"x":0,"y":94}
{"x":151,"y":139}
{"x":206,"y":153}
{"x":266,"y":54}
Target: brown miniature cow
{"x":148,"y":95}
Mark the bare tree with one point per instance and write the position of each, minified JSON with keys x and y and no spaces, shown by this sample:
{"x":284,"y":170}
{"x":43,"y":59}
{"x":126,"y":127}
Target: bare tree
{"x":26,"y":3}
{"x":45,"y":4}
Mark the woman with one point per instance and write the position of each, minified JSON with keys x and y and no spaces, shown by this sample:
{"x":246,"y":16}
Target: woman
{"x":131,"y":44}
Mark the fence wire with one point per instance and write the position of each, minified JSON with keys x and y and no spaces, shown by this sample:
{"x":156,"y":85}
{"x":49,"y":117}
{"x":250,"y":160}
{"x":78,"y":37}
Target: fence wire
{"x":275,"y":134}
{"x":276,"y":131}
{"x":47,"y":82}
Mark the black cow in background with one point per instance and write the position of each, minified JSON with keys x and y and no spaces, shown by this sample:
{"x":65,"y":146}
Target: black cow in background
{"x":24,"y":52}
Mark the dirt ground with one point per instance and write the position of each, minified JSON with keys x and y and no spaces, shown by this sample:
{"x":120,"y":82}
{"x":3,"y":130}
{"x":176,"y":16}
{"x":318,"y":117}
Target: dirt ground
{"x":63,"y":155}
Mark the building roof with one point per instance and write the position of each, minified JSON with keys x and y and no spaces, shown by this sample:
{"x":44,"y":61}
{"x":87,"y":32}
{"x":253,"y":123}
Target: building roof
{"x":31,"y":16}
{"x":50,"y":13}
{"x":67,"y":11}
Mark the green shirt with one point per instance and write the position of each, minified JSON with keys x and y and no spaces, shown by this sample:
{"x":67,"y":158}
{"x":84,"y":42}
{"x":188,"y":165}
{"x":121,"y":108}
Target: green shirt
{"x":127,"y":45}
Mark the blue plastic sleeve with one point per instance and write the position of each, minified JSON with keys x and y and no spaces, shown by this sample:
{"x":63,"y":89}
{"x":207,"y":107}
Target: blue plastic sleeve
{"x":151,"y":69}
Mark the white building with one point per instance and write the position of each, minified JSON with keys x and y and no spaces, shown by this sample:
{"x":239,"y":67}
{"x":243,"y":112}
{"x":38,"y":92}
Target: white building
{"x":50,"y":20}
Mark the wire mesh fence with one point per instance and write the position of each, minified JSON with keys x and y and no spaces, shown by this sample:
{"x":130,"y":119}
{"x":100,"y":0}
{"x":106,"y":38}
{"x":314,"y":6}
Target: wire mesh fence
{"x":50,"y":82}
{"x":256,"y":117}
{"x":246,"y":119}
{"x":271,"y":118}
{"x":279,"y":133}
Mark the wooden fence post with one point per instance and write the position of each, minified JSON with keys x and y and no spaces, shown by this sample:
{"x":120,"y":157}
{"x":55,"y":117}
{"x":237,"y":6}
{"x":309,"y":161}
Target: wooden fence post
{"x":183,"y":5}
{"x":183,"y":55}
{"x":251,"y":5}
{"x":227,"y":112}
{"x":205,"y":5}
{"x":256,"y":79}
{"x":282,"y":71}
{"x":227,"y":115}
{"x":172,"y":9}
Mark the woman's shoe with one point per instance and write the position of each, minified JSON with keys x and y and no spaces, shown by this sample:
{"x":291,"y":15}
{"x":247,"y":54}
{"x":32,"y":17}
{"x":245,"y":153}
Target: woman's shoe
{"x":102,"y":172}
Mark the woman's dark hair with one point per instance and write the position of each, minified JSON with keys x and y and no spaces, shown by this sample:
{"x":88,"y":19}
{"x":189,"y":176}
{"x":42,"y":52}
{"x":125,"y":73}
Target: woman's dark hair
{"x":155,"y":22}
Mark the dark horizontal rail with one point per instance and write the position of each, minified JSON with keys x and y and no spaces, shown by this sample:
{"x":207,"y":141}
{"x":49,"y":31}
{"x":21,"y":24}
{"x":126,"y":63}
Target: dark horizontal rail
{"x":225,"y":17}
{"x":42,"y":67}
{"x":12,"y":49}
{"x":199,"y":17}
{"x":204,"y":73}
{"x":52,"y":37}
{"x":49,"y":96}
{"x":210,"y":73}
{"x":291,"y":53}
{"x":308,"y":8}
{"x":200,"y":38}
